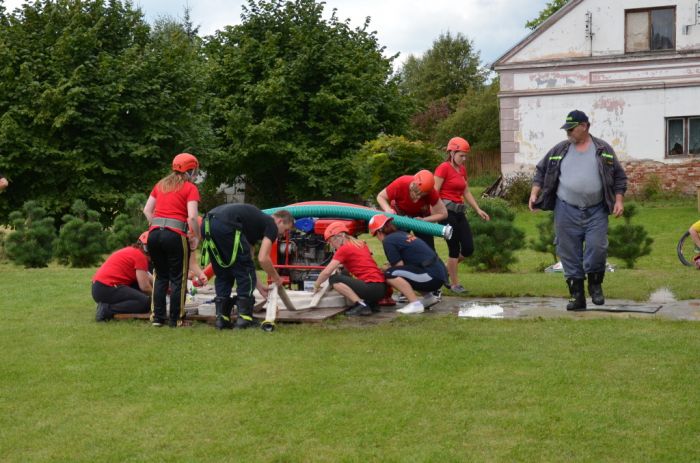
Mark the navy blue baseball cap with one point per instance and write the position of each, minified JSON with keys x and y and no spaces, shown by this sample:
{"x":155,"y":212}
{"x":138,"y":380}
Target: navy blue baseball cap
{"x":574,"y":118}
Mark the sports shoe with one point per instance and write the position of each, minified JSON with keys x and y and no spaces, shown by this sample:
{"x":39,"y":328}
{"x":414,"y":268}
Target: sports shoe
{"x":438,"y":294}
{"x":458,"y":289}
{"x":102,"y":313}
{"x":413,"y":307}
{"x":400,"y":298}
{"x":429,"y":300}
{"x":359,"y":308}
{"x":157,"y":322}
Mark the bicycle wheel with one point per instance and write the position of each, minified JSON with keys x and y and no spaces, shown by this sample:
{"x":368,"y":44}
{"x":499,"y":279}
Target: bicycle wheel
{"x":686,"y":250}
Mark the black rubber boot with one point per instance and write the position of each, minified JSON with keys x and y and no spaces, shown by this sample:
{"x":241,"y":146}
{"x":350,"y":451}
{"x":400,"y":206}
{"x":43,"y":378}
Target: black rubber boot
{"x":595,"y":288}
{"x":103,"y":313}
{"x":359,"y":309}
{"x":223,"y":313}
{"x":577,"y":301}
{"x":245,"y":313}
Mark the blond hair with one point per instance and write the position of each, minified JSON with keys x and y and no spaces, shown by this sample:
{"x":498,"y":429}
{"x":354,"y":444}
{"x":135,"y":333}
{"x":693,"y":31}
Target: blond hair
{"x":172,"y":182}
{"x":358,"y":243}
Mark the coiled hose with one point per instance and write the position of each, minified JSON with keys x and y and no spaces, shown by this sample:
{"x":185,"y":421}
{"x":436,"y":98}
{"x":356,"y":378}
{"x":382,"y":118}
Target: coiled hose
{"x":352,"y":211}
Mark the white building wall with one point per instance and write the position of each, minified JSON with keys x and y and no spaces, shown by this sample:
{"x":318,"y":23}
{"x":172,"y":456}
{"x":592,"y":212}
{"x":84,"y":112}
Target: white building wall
{"x":626,"y":96}
{"x":568,"y":39}
{"x":632,"y":122}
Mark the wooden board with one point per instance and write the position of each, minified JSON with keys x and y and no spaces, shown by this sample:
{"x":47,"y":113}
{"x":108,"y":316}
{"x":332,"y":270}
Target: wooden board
{"x":306,"y":316}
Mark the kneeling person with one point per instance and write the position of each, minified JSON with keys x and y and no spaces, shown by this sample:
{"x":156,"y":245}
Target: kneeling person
{"x":413,"y":265}
{"x":366,"y":286}
{"x":230,"y":233}
{"x":122,"y":284}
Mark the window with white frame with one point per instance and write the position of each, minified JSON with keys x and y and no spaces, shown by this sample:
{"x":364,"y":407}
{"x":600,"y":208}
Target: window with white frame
{"x":650,"y":29}
{"x":683,"y":136}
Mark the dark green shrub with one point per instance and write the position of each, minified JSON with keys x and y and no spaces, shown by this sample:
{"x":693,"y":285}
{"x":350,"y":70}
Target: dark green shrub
{"x":81,"y":240}
{"x":545,"y":236}
{"x":495,"y":240}
{"x":128,"y":224}
{"x":382,"y":160}
{"x":31,"y":241}
{"x":629,"y":242}
{"x":517,"y":188}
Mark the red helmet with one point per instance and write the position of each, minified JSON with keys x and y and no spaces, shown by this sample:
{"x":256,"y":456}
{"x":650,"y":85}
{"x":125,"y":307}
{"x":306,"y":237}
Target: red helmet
{"x":184,"y":162}
{"x":143,"y":239}
{"x":335,"y":228}
{"x":425,"y":180}
{"x":458,"y":144}
{"x":377,"y":222}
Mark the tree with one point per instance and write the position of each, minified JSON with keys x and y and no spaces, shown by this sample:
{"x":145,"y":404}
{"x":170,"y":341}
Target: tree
{"x":544,"y":242}
{"x":549,"y":9}
{"x":94,"y":102}
{"x":129,"y":223}
{"x":81,"y":240}
{"x":295,"y":97}
{"x":475,"y":118}
{"x":31,"y":241}
{"x":495,"y":240}
{"x":448,"y":69}
{"x":380,"y":161}
{"x":629,"y":242}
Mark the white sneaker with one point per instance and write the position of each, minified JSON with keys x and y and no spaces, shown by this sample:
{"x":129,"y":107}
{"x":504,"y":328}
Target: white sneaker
{"x":429,"y":300}
{"x":400,"y":298}
{"x":413,"y":307}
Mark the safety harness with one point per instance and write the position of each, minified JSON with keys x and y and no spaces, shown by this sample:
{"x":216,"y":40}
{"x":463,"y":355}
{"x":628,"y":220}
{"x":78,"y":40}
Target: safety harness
{"x":209,"y":246}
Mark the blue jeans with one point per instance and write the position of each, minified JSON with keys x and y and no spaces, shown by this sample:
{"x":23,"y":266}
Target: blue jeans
{"x":574,"y":227}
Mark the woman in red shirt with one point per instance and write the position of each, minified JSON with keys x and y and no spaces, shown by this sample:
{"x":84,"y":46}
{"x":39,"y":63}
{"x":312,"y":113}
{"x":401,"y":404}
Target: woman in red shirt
{"x":368,"y":286}
{"x":171,"y":211}
{"x":414,"y":196}
{"x":122,"y":284}
{"x":451,"y":182}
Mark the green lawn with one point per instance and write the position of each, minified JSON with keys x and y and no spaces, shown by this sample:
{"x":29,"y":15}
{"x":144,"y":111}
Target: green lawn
{"x":417,"y":389}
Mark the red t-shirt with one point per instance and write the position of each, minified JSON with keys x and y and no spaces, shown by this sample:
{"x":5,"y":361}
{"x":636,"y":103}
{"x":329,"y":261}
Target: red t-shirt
{"x":399,"y":195}
{"x":454,"y":182}
{"x":359,"y":262}
{"x":173,"y":205}
{"x":120,"y":268}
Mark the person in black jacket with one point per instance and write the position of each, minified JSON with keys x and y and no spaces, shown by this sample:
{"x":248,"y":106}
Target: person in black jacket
{"x":582,"y":181}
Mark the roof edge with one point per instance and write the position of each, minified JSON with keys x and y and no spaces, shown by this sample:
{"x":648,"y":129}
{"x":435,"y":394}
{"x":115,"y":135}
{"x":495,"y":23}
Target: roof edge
{"x":546,"y":24}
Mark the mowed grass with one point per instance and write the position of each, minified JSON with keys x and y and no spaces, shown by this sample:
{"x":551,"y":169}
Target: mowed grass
{"x":431,"y":388}
{"x":665,"y":221}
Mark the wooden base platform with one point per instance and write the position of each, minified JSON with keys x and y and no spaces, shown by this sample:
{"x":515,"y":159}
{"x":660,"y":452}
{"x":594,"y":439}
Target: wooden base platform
{"x":283,"y":316}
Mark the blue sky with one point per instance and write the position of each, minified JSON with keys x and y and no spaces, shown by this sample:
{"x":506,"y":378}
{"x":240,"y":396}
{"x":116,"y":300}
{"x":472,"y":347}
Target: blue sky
{"x":403,"y":26}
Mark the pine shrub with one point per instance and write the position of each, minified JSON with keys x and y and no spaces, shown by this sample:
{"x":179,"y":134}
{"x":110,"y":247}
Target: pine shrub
{"x":496,"y":240}
{"x":31,"y":241}
{"x":545,"y":236}
{"x":128,"y":224}
{"x":81,"y":240}
{"x":629,"y":242}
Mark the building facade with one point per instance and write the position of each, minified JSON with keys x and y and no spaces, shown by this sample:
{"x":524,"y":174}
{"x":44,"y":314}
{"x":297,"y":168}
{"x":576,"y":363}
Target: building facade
{"x":632,"y":66}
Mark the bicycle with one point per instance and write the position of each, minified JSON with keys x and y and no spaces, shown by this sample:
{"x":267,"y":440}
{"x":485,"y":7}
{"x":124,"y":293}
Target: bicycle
{"x":686,"y":250}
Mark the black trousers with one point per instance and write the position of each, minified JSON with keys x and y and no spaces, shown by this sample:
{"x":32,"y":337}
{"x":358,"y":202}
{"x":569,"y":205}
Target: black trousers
{"x":170,"y":254}
{"x":242,"y":271}
{"x":121,"y":299}
{"x":371,"y":293}
{"x":462,"y":242}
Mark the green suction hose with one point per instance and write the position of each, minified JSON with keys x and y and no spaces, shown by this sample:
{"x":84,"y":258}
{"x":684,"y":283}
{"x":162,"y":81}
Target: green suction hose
{"x":363,"y":213}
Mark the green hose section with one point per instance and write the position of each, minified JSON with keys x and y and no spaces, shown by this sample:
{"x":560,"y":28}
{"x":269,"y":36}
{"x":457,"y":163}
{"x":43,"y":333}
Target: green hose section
{"x":361,"y":213}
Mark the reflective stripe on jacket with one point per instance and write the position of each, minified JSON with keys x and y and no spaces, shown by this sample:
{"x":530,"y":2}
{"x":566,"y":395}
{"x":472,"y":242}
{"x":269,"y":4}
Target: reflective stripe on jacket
{"x":548,"y":170}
